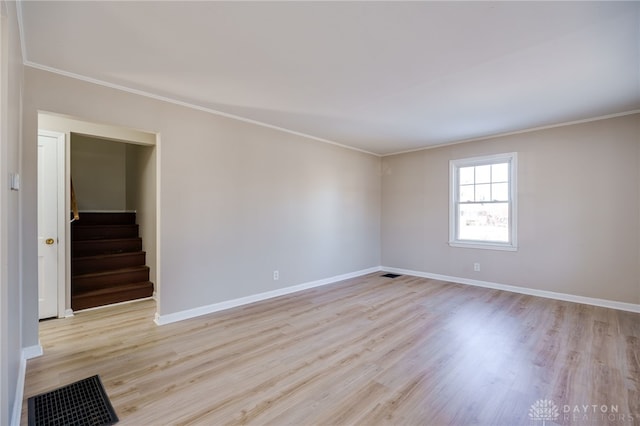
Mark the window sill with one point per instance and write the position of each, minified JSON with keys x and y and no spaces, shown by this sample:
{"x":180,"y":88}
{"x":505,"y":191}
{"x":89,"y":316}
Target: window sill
{"x":483,"y":246}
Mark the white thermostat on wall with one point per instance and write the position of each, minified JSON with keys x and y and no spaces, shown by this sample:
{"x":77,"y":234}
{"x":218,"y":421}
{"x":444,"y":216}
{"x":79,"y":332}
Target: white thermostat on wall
{"x":15,"y":181}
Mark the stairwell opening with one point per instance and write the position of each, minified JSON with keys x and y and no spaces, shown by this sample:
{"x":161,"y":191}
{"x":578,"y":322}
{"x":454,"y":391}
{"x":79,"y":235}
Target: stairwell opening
{"x":114,"y":174}
{"x":109,"y":259}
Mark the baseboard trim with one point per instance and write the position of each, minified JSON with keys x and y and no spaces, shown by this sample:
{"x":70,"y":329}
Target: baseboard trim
{"x":32,"y":352}
{"x":228,"y":304}
{"x":27,"y":354}
{"x":604,"y":303}
{"x":17,"y":403}
{"x":126,"y":302}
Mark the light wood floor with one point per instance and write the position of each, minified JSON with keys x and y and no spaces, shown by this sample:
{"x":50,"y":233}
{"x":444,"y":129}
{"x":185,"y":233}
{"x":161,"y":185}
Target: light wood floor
{"x":367,"y":351}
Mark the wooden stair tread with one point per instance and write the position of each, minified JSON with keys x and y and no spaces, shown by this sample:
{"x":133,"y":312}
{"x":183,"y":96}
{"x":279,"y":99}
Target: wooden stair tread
{"x":116,"y":289}
{"x":112,"y":272}
{"x":105,"y":218}
{"x":103,"y":256}
{"x":105,"y":296}
{"x":107,"y":262}
{"x":108,"y":246}
{"x":106,"y":225}
{"x":104,"y":232}
{"x":110,"y":240}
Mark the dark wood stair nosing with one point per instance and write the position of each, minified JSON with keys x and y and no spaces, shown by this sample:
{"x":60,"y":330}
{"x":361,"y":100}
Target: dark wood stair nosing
{"x":115,"y":289}
{"x":113,"y":278}
{"x":106,"y":218}
{"x":104,"y":232}
{"x":107,"y":262}
{"x":107,"y":240}
{"x":98,"y":256}
{"x":87,"y":248}
{"x":113,"y":271}
{"x":107,"y":226}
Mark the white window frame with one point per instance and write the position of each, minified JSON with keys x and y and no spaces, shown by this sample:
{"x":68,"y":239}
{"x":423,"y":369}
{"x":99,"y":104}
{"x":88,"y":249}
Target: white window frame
{"x":454,"y":167}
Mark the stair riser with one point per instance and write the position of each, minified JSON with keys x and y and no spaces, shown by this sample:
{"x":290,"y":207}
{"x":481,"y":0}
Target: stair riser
{"x":93,"y":248}
{"x":84,"y":283}
{"x":83,"y":233}
{"x":105,"y":219}
{"x":87,"y":266}
{"x":88,"y":301}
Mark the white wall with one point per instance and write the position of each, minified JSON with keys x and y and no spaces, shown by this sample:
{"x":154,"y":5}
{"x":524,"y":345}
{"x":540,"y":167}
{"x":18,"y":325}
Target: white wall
{"x":236,"y":200}
{"x":579,"y":211}
{"x":11,"y":338}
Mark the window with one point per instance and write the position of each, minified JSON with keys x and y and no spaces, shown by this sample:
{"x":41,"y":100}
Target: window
{"x":483,"y":202}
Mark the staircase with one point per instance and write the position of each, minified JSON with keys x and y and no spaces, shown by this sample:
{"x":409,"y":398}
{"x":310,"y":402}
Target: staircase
{"x":107,"y":261}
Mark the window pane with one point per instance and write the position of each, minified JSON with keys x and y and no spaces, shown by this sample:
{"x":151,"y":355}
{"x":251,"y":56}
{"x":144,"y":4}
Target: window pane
{"x":466,"y":175}
{"x":483,"y":192}
{"x":483,"y":174}
{"x":466,"y":193}
{"x":483,"y":202}
{"x":500,"y":172}
{"x":484,"y":222}
{"x":500,"y":192}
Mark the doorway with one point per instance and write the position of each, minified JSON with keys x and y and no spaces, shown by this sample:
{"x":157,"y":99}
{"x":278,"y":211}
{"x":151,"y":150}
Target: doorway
{"x":143,"y":150}
{"x":108,"y":245}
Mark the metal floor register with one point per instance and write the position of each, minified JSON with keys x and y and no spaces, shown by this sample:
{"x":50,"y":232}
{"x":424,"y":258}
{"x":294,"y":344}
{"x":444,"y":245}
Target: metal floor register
{"x":81,"y":403}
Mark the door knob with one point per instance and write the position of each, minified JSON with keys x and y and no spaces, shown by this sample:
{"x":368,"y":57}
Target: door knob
{"x":49,"y":241}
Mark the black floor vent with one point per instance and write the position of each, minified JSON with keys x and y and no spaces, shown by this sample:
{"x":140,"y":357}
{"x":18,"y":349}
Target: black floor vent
{"x":78,"y":404}
{"x":391,"y":275}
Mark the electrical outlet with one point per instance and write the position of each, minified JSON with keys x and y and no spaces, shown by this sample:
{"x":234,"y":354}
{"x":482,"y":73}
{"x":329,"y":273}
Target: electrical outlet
{"x":276,"y":275}
{"x":476,"y":267}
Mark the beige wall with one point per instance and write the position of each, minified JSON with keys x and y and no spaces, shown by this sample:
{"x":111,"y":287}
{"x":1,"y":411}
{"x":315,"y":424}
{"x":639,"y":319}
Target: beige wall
{"x":11,"y":331}
{"x":141,"y":197}
{"x":98,"y":170}
{"x":237,"y":201}
{"x":578,"y":218}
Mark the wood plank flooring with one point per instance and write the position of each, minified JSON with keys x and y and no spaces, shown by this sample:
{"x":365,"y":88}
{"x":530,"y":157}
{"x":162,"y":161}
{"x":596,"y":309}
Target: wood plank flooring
{"x":367,"y":351}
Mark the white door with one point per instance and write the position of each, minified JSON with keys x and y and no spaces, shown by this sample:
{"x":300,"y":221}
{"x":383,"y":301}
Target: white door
{"x":48,"y":225}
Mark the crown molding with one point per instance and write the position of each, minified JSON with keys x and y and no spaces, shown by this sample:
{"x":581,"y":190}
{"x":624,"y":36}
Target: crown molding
{"x":289,"y":131}
{"x":187,"y":105}
{"x":517,"y":132}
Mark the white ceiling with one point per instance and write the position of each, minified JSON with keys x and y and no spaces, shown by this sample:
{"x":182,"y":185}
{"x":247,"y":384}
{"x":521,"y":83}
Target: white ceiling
{"x":378,"y":76}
